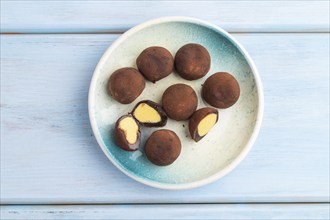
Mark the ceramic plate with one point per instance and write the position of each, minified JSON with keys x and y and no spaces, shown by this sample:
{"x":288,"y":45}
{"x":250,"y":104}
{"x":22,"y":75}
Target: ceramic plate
{"x":225,"y":145}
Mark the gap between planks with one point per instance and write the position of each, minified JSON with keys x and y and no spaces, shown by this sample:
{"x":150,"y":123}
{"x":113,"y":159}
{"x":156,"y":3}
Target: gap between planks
{"x":168,"y":203}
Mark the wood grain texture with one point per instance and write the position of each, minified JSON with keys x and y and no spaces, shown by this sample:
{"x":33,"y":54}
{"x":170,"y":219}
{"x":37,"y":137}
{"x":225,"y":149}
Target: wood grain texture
{"x":198,"y":211}
{"x":49,"y":155}
{"x":114,"y":16}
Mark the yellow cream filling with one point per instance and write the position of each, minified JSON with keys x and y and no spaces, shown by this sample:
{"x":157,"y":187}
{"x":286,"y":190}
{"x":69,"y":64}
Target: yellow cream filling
{"x":146,"y":114}
{"x":129,"y":126}
{"x":206,"y":124}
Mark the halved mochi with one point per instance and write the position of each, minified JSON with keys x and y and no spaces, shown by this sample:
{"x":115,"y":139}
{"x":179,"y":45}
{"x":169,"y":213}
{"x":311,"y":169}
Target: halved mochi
{"x":150,"y":114}
{"x":127,"y":133}
{"x":201,"y":122}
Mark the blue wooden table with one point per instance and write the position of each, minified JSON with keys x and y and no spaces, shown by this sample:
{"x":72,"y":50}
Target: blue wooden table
{"x":52,"y":167}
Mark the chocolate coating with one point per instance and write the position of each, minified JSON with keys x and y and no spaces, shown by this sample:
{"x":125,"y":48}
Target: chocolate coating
{"x":160,"y":111}
{"x":179,"y":101}
{"x":192,"y":61}
{"x":125,"y":85}
{"x":155,"y":63}
{"x":163,"y":147}
{"x":120,"y":137}
{"x":196,"y":118}
{"x":221,"y":90}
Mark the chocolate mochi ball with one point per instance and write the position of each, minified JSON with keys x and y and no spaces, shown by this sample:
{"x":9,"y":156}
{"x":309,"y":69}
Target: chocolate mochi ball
{"x":192,"y":61}
{"x":221,"y":90}
{"x":155,"y":63}
{"x":163,"y":147}
{"x":179,"y":101}
{"x":127,"y":133}
{"x":149,"y":114}
{"x":201,"y":122}
{"x":125,"y":85}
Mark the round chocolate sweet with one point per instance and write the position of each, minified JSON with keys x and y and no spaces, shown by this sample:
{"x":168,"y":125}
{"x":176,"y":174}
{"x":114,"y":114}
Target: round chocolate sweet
{"x":201,"y":122}
{"x":179,"y":101}
{"x":149,"y":114}
{"x":127,"y":133}
{"x":163,"y":147}
{"x":192,"y":61}
{"x":125,"y":85}
{"x":221,"y":90}
{"x":155,"y":63}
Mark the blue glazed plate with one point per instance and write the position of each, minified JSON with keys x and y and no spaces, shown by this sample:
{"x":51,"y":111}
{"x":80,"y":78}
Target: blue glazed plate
{"x":225,"y":145}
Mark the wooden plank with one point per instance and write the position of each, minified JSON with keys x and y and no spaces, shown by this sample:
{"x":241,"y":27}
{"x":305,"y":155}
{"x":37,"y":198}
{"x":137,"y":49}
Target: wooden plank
{"x":48,"y":153}
{"x":196,"y":211}
{"x":114,"y":16}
